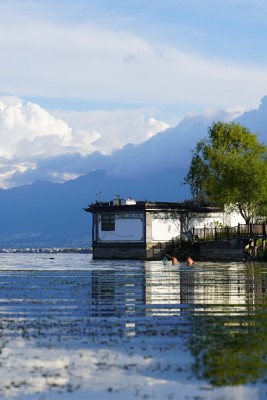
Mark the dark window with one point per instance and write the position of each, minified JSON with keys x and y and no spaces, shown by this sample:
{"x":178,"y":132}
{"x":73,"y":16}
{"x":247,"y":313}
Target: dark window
{"x":108,"y":222}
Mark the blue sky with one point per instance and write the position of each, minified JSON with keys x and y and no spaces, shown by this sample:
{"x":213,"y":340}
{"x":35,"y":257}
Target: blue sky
{"x":74,"y":55}
{"x":78,"y":74}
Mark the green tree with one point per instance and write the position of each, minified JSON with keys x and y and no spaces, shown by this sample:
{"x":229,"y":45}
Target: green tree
{"x":229,"y":168}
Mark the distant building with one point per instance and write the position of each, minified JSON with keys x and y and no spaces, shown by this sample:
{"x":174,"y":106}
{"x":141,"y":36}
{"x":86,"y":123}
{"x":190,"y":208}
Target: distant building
{"x":129,"y":229}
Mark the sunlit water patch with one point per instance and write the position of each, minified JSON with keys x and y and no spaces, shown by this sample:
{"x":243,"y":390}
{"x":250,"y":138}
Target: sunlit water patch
{"x":75,"y":328}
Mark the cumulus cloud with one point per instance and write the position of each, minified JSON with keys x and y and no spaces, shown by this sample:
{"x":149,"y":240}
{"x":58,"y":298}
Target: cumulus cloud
{"x":148,"y":146}
{"x":62,"y":145}
{"x":118,"y":127}
{"x":47,"y":54}
{"x":21,"y":125}
{"x":38,"y":145}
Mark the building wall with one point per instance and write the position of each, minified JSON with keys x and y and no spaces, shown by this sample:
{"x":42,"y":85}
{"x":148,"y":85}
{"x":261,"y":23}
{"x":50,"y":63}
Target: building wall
{"x":161,"y":227}
{"x":231,"y":250}
{"x":235,"y":219}
{"x":210,"y":220}
{"x":164,"y":227}
{"x":129,"y":227}
{"x":119,"y":251}
{"x":206,"y":220}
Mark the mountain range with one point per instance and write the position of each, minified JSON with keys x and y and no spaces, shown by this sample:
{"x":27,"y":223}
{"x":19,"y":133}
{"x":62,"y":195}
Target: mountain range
{"x":46,"y":214}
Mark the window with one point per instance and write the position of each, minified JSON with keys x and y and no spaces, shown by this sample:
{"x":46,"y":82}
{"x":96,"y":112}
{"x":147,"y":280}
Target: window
{"x":108,"y":222}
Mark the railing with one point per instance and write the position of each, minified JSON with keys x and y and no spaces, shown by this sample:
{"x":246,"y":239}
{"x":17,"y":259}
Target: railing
{"x":209,"y":234}
{"x":242,"y":230}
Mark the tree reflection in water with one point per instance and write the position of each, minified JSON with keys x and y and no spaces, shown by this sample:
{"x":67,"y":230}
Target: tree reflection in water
{"x":229,"y":341}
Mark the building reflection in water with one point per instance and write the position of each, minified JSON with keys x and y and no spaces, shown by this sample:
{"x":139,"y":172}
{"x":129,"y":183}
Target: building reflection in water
{"x":149,"y":288}
{"x":182,"y":290}
{"x":162,"y":289}
{"x":119,"y":292}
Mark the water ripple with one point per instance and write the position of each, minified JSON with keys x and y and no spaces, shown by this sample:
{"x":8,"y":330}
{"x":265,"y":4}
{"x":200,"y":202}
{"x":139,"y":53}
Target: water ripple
{"x":69,"y":324}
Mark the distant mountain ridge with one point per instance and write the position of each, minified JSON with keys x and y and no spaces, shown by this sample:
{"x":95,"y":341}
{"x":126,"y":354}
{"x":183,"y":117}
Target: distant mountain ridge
{"x":46,"y":214}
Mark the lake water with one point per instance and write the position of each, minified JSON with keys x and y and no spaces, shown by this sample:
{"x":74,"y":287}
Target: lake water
{"x":74,"y":328}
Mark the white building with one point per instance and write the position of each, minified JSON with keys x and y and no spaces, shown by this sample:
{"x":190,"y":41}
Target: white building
{"x":129,"y":229}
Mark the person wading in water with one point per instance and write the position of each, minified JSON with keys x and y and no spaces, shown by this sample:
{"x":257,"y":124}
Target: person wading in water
{"x":174,"y":259}
{"x":189,"y":261}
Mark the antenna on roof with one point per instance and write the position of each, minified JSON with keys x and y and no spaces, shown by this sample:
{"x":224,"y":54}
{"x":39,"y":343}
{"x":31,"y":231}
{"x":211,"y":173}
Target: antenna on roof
{"x":98,"y":195}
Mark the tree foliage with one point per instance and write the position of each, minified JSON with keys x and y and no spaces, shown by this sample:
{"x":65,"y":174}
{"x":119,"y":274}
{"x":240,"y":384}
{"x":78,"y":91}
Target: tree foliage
{"x":229,"y":168}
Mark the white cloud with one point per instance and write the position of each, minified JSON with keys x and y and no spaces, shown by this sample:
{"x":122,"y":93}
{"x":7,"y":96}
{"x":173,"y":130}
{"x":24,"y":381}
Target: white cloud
{"x":29,"y":134}
{"x":28,"y":123}
{"x":51,"y":157}
{"x":63,"y":145}
{"x":46,"y":58}
{"x":111,"y":130}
